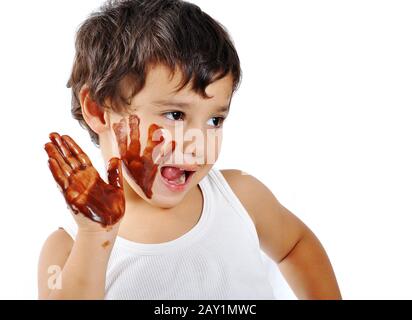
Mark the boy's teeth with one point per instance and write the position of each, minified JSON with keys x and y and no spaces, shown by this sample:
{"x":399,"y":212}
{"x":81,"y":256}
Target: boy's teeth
{"x":180,"y":180}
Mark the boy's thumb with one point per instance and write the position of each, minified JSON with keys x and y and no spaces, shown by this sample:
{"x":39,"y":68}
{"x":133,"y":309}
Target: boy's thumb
{"x":114,"y":173}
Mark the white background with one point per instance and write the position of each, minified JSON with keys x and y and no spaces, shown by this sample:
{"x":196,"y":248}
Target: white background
{"x":322,"y":118}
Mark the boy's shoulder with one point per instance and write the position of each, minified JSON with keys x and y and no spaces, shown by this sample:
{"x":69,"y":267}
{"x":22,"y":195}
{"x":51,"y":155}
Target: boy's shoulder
{"x":252,"y":193}
{"x":278,"y":228}
{"x":57,"y":245}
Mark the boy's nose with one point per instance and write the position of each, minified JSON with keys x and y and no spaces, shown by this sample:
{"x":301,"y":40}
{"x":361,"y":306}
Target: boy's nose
{"x":194,"y":144}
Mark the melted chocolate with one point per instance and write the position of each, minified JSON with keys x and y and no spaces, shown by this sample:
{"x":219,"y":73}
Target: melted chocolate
{"x":106,"y":244}
{"x":141,"y":168}
{"x":82,"y":187}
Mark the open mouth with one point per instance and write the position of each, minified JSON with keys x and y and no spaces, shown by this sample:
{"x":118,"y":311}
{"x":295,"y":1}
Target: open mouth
{"x":176,"y":176}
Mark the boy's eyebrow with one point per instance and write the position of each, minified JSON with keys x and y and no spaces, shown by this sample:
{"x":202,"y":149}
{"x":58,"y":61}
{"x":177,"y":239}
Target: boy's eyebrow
{"x":182,"y":104}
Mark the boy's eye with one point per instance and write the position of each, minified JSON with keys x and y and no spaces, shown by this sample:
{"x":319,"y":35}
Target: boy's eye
{"x":174,"y":115}
{"x":216,"y":121}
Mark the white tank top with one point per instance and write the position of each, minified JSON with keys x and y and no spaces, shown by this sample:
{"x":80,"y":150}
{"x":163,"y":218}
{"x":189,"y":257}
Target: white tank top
{"x":219,"y":258}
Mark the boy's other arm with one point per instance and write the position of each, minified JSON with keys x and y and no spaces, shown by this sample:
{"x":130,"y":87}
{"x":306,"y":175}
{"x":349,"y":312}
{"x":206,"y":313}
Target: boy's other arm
{"x":80,"y":264}
{"x":286,"y":239}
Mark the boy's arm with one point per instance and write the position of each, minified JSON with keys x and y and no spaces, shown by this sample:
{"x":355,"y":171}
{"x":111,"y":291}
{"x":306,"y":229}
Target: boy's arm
{"x":80,"y":264}
{"x":78,"y":270}
{"x":286,"y":239}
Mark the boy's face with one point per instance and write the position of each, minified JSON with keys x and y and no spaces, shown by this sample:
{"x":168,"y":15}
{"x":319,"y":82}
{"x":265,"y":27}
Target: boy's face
{"x":163,"y":171}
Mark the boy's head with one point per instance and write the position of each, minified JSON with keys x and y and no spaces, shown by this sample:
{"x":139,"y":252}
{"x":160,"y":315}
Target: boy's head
{"x":169,"y":65}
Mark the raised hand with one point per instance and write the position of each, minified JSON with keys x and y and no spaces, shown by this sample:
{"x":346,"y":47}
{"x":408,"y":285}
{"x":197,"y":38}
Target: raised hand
{"x":142,"y":168}
{"x":81,"y":185}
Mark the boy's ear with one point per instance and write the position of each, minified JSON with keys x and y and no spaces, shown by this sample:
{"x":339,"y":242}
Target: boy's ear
{"x":92,"y":113}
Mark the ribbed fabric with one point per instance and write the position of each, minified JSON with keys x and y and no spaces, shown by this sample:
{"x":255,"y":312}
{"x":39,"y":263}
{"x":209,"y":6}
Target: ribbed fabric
{"x":219,"y":258}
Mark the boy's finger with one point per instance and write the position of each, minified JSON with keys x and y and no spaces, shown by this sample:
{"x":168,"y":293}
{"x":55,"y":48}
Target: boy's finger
{"x":77,"y":151}
{"x":54,"y":153}
{"x":64,"y":150}
{"x":121,"y":137}
{"x":169,"y":147}
{"x":134,"y":147}
{"x":58,"y":175}
{"x":151,"y":143}
{"x":162,"y":153}
{"x":114,"y":172}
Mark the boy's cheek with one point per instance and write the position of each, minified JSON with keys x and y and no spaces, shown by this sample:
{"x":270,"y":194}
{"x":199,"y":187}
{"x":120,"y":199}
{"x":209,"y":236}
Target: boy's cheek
{"x":213,"y":147}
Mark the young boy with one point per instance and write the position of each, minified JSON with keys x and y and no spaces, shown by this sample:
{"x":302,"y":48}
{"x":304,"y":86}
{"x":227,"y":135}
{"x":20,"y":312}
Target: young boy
{"x":152,"y":82}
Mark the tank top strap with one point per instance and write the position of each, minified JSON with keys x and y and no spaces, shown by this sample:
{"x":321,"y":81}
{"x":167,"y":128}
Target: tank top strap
{"x":224,"y":189}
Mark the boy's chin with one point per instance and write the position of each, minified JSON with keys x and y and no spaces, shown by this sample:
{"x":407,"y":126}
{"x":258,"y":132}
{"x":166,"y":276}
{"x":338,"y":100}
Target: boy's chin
{"x":163,"y":202}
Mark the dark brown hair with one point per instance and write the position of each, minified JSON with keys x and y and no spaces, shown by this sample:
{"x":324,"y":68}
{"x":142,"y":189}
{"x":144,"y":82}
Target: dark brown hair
{"x":123,"y":37}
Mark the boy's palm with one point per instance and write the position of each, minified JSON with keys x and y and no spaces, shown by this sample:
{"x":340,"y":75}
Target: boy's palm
{"x":100,"y":203}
